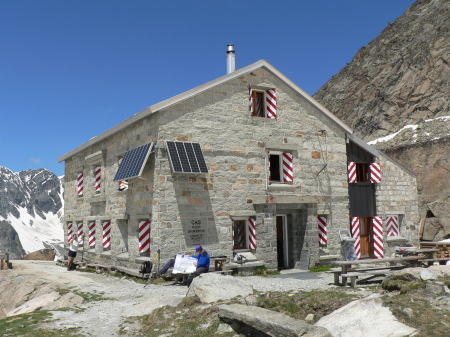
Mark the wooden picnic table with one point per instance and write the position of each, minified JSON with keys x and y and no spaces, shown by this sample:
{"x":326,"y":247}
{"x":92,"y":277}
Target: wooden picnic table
{"x":219,"y":263}
{"x":346,"y":266}
{"x":427,"y":252}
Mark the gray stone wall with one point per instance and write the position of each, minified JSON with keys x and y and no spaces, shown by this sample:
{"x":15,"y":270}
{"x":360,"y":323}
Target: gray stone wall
{"x":188,"y":209}
{"x":397,"y":195}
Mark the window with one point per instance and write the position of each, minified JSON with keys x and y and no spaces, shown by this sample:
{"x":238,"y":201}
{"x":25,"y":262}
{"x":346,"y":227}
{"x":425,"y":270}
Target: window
{"x":244,"y":233}
{"x":364,"y":172}
{"x":280,"y":167}
{"x":263,"y":103}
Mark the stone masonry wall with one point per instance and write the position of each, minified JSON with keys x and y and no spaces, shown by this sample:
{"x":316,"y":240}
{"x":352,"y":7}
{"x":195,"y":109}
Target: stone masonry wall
{"x":397,"y":195}
{"x":235,"y":147}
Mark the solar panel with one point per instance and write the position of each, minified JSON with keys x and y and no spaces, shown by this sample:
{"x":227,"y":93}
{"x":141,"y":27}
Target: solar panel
{"x":186,"y":157}
{"x":133,"y":162}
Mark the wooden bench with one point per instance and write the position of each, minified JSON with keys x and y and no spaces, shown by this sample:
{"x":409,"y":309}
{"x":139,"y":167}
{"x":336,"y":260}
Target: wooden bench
{"x":338,"y":273}
{"x":131,"y":272}
{"x":353,"y":276}
{"x":441,"y":260}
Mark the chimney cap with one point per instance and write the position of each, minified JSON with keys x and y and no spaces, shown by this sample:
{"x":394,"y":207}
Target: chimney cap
{"x":230,"y":48}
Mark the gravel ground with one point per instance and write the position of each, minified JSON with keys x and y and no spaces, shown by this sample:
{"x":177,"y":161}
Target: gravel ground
{"x":125,"y":298}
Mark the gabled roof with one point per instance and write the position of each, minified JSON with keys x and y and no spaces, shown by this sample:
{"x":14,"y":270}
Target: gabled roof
{"x":195,"y":91}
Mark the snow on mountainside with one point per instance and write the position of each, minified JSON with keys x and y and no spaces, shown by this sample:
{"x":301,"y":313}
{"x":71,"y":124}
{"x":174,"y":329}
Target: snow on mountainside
{"x":31,"y":211}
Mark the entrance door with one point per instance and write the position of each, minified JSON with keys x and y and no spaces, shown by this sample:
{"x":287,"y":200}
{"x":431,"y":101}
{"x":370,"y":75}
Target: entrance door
{"x":282,"y":242}
{"x":366,"y":237}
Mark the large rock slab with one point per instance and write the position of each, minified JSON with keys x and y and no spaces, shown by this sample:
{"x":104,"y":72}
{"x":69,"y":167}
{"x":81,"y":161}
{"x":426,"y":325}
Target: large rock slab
{"x":270,"y":322}
{"x":214,"y":287}
{"x":68,"y":300}
{"x":145,"y":307}
{"x":34,"y":304}
{"x":365,"y":317}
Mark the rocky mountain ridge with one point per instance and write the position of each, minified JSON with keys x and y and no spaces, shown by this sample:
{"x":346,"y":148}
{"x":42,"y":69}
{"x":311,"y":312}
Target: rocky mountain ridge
{"x":31,"y":210}
{"x":395,"y":95}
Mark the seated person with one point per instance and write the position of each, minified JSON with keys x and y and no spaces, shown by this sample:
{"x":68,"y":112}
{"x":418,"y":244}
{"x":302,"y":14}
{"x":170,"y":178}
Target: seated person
{"x":202,"y":264}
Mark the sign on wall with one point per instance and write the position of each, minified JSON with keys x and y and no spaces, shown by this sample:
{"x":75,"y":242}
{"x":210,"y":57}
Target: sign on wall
{"x":195,"y":231}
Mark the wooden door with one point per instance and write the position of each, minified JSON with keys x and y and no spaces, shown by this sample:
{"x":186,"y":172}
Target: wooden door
{"x":366,"y":237}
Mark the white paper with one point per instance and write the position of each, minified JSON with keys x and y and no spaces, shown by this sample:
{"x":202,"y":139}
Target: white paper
{"x":184,"y":264}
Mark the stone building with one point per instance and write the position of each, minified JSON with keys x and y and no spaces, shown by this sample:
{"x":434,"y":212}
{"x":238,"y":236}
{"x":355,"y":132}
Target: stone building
{"x":274,"y":182}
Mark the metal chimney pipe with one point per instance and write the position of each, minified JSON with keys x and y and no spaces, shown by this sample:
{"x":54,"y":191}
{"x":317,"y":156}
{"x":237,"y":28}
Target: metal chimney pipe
{"x":231,"y":59}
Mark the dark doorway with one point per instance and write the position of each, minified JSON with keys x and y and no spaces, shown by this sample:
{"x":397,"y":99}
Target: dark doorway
{"x":281,"y":242}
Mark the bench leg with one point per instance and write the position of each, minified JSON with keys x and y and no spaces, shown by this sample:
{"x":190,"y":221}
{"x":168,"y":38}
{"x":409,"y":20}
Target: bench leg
{"x":344,"y":281}
{"x":336,"y":278}
{"x":353,"y":281}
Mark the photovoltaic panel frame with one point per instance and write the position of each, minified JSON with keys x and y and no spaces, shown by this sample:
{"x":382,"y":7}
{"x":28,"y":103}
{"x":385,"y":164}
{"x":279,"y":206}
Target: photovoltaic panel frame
{"x":133,"y":162}
{"x":186,"y":157}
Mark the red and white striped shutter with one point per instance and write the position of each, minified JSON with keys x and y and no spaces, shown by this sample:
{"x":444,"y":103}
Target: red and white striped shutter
{"x":80,"y":184}
{"x":69,"y":232}
{"x":288,"y":169}
{"x":98,"y":177}
{"x":144,"y":236}
{"x":351,"y":170}
{"x":378,"y":249}
{"x":323,"y":238}
{"x":250,"y":100}
{"x":271,"y":103}
{"x":106,"y":234}
{"x":232,"y":235}
{"x":375,"y":173}
{"x":251,"y":233}
{"x":91,"y":226}
{"x":80,"y":233}
{"x":392,"y":227}
{"x":356,"y":236}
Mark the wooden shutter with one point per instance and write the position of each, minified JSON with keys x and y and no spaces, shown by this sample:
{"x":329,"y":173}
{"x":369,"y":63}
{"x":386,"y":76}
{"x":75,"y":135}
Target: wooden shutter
{"x":356,"y":236}
{"x":251,"y":233}
{"x":378,"y":248}
{"x":351,"y":171}
{"x":375,"y":173}
{"x":322,"y":226}
{"x":288,"y":169}
{"x":271,"y":103}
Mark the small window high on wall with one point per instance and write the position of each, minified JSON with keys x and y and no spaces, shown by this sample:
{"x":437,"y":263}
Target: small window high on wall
{"x":263,"y":103}
{"x":280,"y":167}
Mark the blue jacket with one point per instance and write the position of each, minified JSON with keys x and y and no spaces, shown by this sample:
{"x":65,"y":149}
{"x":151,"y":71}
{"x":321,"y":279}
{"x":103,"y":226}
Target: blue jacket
{"x":203,"y":259}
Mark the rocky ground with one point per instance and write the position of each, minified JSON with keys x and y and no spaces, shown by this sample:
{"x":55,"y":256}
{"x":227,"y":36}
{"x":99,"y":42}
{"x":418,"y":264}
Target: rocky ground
{"x":91,"y":304}
{"x":116,"y":298}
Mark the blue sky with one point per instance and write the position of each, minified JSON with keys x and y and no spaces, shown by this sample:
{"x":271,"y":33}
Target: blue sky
{"x":70,"y":70}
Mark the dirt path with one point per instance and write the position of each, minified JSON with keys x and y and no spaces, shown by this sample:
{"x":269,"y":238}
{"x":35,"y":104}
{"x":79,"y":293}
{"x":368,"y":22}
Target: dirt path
{"x":124,"y":298}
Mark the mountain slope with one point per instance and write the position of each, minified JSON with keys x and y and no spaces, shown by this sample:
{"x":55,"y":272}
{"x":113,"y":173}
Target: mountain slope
{"x":395,"y":95}
{"x":31,"y":207}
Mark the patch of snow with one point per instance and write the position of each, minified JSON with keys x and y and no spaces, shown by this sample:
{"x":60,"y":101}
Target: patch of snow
{"x":33,"y":236}
{"x":444,"y":118}
{"x":389,"y":137}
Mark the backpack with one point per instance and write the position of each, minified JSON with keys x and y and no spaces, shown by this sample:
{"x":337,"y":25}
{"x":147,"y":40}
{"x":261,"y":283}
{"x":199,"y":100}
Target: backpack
{"x":146,"y":268}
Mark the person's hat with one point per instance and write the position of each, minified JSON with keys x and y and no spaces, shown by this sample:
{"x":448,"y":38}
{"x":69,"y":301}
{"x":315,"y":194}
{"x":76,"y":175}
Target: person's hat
{"x":198,"y":248}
